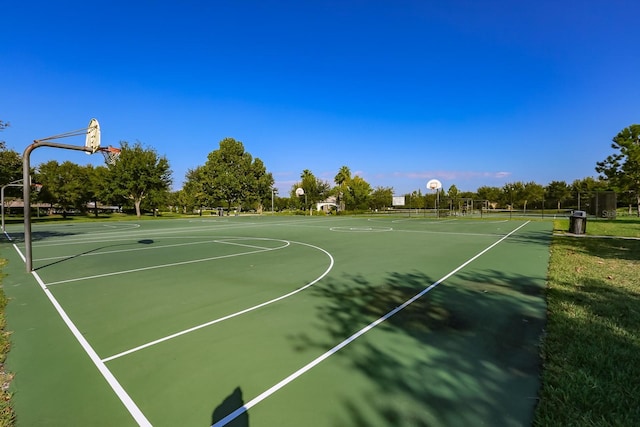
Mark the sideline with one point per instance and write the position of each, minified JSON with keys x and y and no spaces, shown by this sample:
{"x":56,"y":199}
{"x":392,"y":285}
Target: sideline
{"x":232,"y":416}
{"x":126,"y":400}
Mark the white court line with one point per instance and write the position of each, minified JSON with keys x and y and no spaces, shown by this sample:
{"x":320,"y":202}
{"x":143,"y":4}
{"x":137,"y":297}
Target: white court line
{"x":172,"y":264}
{"x":126,"y":400}
{"x":173,"y":245}
{"x":455,"y":233}
{"x":253,"y":402}
{"x":230,"y":316}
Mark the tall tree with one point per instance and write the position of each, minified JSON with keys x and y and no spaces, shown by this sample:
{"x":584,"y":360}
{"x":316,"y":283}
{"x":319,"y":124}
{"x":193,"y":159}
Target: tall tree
{"x":193,"y":193}
{"x":453,"y":196}
{"x":343,"y":176}
{"x":622,"y":169}
{"x":558,"y":191}
{"x":3,"y":126}
{"x":314,"y":189}
{"x":531,"y":192}
{"x":10,"y":166}
{"x":586,"y":187}
{"x":64,"y":185}
{"x":513,"y":194}
{"x":98,"y":186}
{"x":358,"y":193}
{"x":381,"y":197}
{"x":491,"y":195}
{"x":262,"y":186}
{"x":232,"y":175}
{"x":342,"y":180}
{"x":139,"y":172}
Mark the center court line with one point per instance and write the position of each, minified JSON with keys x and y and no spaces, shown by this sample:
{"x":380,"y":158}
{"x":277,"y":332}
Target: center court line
{"x":124,"y":397}
{"x":232,"y":416}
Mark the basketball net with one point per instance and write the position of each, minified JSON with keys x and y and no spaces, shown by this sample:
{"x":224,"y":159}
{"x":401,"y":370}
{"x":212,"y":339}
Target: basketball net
{"x":111,"y":154}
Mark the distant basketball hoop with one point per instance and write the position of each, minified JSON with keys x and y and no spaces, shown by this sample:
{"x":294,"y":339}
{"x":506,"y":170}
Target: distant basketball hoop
{"x":434,"y":184}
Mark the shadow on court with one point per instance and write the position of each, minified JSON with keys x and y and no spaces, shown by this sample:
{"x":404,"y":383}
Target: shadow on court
{"x":94,"y":250}
{"x":39,"y":235}
{"x":466,"y":353}
{"x":228,"y":405}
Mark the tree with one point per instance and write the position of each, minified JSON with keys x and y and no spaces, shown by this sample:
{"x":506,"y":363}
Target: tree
{"x":98,"y":186}
{"x":64,"y":185}
{"x":138,"y":173}
{"x":586,"y":187}
{"x":453,"y":195}
{"x":491,"y":194}
{"x":622,"y":169}
{"x":342,"y":180}
{"x":358,"y":193}
{"x":3,"y":126}
{"x":381,"y":197}
{"x":558,"y":191}
{"x":10,"y":166}
{"x":343,"y":176}
{"x":262,"y":186}
{"x":232,"y":175}
{"x":531,"y":192}
{"x":314,"y":189}
{"x":512,"y":194}
{"x":193,"y":193}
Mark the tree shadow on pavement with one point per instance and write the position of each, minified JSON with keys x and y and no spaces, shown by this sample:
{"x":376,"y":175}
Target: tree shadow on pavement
{"x":466,"y":353}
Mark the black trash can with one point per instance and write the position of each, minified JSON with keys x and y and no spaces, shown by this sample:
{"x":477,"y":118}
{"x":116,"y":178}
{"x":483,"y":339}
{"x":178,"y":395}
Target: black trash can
{"x":578,"y":222}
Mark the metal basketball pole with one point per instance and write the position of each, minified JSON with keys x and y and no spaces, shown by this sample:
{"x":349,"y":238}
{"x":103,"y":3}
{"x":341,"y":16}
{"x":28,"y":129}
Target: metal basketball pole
{"x":26,"y":196}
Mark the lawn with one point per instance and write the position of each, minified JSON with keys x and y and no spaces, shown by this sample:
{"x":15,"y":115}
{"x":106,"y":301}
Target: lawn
{"x":591,"y":349}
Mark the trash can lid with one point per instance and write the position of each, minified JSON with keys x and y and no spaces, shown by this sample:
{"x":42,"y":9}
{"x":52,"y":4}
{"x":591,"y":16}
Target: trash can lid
{"x":579,"y":214}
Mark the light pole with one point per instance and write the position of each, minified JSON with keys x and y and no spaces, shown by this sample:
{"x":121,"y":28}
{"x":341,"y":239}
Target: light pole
{"x":273,"y":194}
{"x":511,"y":202}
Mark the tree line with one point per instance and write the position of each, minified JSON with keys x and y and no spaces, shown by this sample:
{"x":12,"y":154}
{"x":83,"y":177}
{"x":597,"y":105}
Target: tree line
{"x":231,"y":178}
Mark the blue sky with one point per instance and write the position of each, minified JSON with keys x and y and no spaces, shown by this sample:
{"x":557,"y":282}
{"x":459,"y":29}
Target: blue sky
{"x":469,"y":92}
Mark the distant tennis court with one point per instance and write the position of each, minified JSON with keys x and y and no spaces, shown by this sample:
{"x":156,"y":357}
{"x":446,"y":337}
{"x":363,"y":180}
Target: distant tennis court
{"x":277,"y":321}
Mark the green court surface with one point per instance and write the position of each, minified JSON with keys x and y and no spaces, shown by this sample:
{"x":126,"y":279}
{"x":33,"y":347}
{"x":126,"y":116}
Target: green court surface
{"x":277,"y":321}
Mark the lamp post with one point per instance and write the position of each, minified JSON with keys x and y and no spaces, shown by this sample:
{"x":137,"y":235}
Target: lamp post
{"x":273,"y":194}
{"x":511,"y":202}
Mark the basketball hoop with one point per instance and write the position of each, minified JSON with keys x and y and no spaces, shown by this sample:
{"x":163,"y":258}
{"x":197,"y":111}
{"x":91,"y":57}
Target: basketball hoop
{"x":92,"y":140}
{"x":434,"y":184}
{"x":111,"y":154}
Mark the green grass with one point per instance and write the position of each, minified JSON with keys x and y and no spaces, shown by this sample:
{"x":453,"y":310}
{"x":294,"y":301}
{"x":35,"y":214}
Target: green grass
{"x":6,"y":411}
{"x":591,"y":350}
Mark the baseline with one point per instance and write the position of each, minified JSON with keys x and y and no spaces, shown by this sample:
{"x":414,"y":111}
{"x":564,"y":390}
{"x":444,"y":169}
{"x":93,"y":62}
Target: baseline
{"x":120,"y":392}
